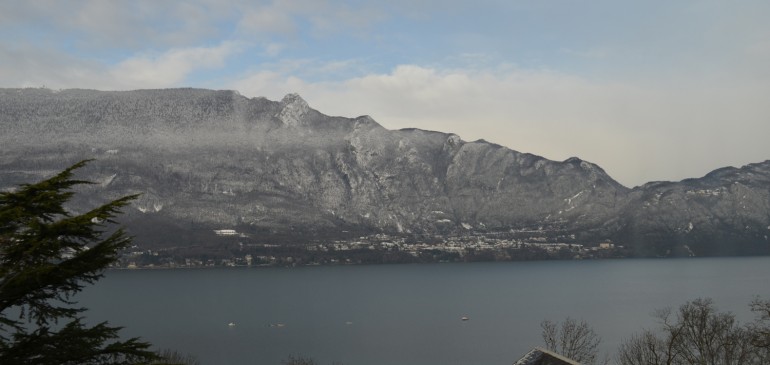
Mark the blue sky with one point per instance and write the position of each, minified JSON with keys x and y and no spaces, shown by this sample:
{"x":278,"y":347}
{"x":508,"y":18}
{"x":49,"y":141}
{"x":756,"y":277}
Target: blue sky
{"x":649,"y":90}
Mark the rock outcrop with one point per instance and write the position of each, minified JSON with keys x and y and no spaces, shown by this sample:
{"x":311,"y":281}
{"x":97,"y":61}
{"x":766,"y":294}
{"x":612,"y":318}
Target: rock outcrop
{"x":282,"y":171}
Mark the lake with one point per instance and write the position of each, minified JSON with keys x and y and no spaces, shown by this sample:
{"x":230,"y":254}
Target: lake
{"x":407,"y":314}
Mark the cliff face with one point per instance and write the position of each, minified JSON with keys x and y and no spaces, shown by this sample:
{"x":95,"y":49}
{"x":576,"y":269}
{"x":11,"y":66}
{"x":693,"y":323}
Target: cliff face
{"x":726,"y":212}
{"x":208,"y":159}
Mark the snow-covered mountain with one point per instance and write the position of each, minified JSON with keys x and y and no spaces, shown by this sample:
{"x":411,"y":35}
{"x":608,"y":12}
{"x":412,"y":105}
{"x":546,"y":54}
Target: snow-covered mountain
{"x":282,"y":171}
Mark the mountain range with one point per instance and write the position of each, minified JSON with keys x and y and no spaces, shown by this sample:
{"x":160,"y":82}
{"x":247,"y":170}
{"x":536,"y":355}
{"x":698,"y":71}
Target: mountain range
{"x":282,"y":172}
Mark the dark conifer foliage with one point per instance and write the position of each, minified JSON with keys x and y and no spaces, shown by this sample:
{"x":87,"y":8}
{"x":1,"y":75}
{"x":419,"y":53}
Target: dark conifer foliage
{"x":47,"y":255}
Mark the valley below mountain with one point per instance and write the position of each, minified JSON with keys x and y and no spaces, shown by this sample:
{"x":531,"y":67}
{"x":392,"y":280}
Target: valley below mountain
{"x":224,"y":178}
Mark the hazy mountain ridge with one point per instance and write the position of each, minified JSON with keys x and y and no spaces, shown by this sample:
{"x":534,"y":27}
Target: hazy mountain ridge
{"x":207,"y":159}
{"x":725,"y":212}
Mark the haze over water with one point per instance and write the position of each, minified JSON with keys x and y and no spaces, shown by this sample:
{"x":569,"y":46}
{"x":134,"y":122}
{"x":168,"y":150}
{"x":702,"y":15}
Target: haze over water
{"x":407,"y":314}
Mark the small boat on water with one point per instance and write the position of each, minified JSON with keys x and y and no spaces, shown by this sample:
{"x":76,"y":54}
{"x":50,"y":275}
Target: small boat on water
{"x":231,"y":324}
{"x":463,"y":318}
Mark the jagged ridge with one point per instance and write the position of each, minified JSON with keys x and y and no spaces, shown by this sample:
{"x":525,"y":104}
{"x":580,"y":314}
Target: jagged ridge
{"x":208,"y":159}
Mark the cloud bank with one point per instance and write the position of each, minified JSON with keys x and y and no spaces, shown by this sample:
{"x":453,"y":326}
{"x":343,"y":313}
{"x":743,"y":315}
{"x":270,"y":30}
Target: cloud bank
{"x":634,"y":132}
{"x":648,"y":90}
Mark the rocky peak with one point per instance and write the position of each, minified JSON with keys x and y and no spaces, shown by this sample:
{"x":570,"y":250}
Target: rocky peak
{"x":208,"y":159}
{"x":363,"y":122}
{"x":293,"y":110}
{"x":453,"y":140}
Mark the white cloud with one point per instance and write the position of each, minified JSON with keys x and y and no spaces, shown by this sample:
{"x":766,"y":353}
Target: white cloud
{"x":274,"y":49}
{"x":29,"y":66}
{"x":285,"y":17}
{"x":136,"y":24}
{"x":267,"y":20}
{"x":271,"y":84}
{"x":170,"y":68}
{"x":345,"y":18}
{"x":636,"y":133}
{"x":652,"y":90}
{"x":126,"y":22}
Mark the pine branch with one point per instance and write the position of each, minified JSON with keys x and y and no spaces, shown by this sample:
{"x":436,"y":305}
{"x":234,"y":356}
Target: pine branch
{"x":36,"y":232}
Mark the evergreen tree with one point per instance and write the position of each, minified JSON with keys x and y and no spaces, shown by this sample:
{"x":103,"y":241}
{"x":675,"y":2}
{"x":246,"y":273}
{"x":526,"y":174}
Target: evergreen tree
{"x":47,"y":255}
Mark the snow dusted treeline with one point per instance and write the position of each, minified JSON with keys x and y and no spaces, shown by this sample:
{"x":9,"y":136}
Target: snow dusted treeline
{"x":206,"y":159}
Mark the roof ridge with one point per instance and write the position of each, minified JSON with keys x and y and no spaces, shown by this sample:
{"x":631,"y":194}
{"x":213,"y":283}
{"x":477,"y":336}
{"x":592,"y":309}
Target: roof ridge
{"x":534,"y":356}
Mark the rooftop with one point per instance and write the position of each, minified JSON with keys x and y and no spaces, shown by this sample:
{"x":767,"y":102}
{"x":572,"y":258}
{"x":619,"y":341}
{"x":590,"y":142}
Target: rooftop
{"x":540,"y":356}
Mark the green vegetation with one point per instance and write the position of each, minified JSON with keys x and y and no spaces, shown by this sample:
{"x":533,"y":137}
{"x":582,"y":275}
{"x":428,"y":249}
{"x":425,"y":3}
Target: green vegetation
{"x":47,"y":255}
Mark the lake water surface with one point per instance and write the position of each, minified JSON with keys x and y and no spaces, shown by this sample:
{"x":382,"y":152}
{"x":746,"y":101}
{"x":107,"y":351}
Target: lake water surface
{"x":407,"y":314}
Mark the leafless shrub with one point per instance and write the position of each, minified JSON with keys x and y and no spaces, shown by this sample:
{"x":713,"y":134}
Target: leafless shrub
{"x":573,"y":339}
{"x":696,"y":334}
